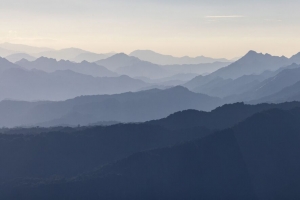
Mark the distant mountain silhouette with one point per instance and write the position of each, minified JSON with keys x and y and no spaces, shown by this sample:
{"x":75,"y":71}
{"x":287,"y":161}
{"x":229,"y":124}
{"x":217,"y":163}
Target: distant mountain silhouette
{"x":126,"y":107}
{"x":296,"y":58}
{"x":199,"y":81}
{"x":145,"y":69}
{"x":51,"y":65}
{"x":178,"y":79}
{"x":35,"y":85}
{"x":202,"y":68}
{"x":160,"y":59}
{"x":252,"y":63}
{"x":19,"y":56}
{"x":5,"y":65}
{"x":5,"y":52}
{"x":91,"y":57}
{"x":220,"y":118}
{"x":256,"y":159}
{"x":135,"y":67}
{"x":20,"y":48}
{"x":272,"y":85}
{"x":63,"y":54}
{"x":117,"y":61}
{"x":288,"y":94}
{"x":220,"y":87}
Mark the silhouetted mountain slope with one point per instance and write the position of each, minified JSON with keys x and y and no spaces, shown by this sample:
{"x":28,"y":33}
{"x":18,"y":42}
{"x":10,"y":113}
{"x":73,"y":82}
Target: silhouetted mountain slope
{"x":67,"y":152}
{"x":272,"y":85}
{"x":252,"y":63}
{"x":177,"y":79}
{"x":117,"y":61}
{"x":91,"y":57}
{"x":127,"y":107}
{"x":60,"y":85}
{"x":256,"y":159}
{"x":269,"y":143}
{"x":220,"y":87}
{"x":51,"y":65}
{"x":6,"y":65}
{"x":145,"y":69}
{"x":160,"y":59}
{"x":202,"y":68}
{"x":135,"y":67}
{"x":221,"y":118}
{"x":247,"y":86}
{"x":288,"y":94}
{"x":19,"y":56}
{"x":212,"y":168}
{"x":296,"y":58}
{"x":63,"y":54}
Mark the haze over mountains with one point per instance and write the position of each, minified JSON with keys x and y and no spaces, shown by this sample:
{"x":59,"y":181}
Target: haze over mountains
{"x":251,"y":73}
{"x":126,"y":107}
{"x":141,"y":160}
{"x":19,"y":56}
{"x":36,"y":85}
{"x":52,"y":65}
{"x":149,"y":100}
{"x":253,"y":78}
{"x":135,"y":67}
{"x":81,"y":125}
{"x":160,"y":59}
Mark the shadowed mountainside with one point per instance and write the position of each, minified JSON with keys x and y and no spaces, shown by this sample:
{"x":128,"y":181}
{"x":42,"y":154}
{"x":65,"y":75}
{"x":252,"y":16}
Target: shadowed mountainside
{"x":51,"y":65}
{"x":160,"y":59}
{"x":126,"y":107}
{"x":256,"y":159}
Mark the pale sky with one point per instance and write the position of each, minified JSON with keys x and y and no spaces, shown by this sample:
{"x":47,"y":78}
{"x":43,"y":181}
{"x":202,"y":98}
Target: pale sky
{"x":215,"y":28}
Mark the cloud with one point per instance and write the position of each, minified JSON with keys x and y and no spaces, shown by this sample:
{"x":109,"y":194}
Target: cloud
{"x":224,"y":16}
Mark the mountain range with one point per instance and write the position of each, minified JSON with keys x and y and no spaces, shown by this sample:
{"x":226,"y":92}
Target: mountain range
{"x":52,"y":65}
{"x":256,"y":157}
{"x":32,"y":84}
{"x":161,"y":59}
{"x":19,"y":56}
{"x":250,"y":73}
{"x":134,"y":67}
{"x":126,"y":107}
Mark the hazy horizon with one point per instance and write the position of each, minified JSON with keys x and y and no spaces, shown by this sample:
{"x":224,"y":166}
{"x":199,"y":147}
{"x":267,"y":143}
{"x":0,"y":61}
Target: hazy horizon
{"x":178,"y":28}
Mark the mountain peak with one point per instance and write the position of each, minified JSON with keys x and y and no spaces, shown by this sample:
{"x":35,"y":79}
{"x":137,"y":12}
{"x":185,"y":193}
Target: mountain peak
{"x":296,"y":58}
{"x":45,"y":59}
{"x":251,"y":53}
{"x":120,"y":55}
{"x":178,"y":88}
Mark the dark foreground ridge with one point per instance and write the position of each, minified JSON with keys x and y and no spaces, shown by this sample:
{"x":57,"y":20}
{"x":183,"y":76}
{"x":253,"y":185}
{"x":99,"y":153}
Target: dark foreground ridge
{"x":258,"y":158}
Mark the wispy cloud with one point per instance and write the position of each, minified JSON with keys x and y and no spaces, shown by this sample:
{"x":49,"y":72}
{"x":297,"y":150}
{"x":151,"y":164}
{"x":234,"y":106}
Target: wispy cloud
{"x":224,"y":16}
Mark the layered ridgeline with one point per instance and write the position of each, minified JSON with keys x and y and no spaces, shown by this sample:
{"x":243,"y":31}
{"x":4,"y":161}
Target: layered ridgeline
{"x":252,"y":77}
{"x":125,"y":107}
{"x":17,"y":52}
{"x":19,"y":56}
{"x":52,"y":65}
{"x":31,"y":84}
{"x":135,"y":67}
{"x":258,"y":158}
{"x":161,"y":59}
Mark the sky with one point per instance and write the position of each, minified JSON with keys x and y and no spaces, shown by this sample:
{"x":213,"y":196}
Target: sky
{"x":214,"y":28}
